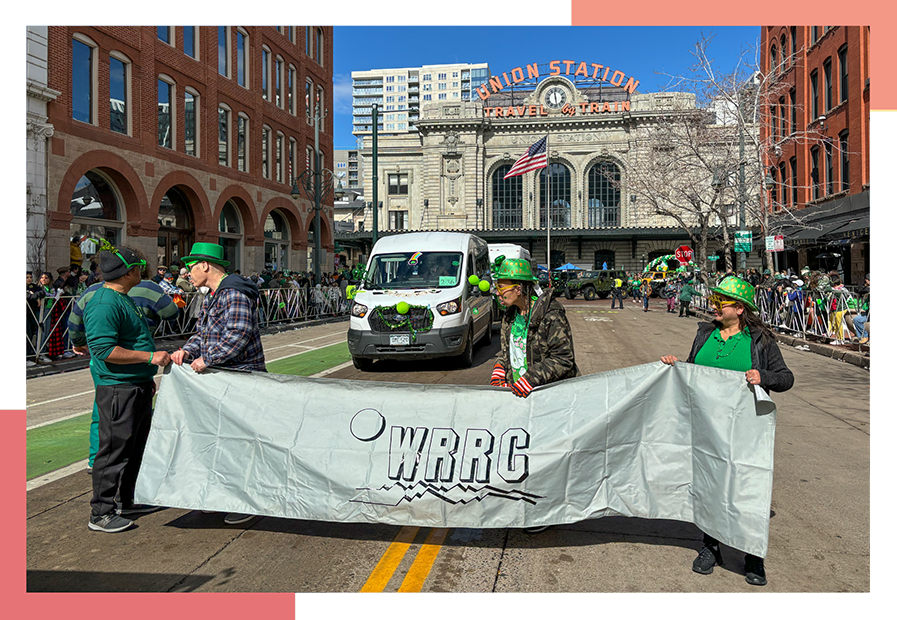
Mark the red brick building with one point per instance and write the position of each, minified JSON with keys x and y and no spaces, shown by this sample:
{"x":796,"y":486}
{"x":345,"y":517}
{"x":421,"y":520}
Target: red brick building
{"x":819,"y":125}
{"x":164,"y":136}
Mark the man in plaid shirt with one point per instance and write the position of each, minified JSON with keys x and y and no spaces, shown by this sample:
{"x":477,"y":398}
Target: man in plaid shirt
{"x":227,"y":332}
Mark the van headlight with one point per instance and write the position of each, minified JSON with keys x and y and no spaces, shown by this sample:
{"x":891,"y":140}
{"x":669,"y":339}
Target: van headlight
{"x":449,"y":307}
{"x":359,"y":310}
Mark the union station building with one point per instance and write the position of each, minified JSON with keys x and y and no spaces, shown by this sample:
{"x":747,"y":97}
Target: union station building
{"x":448,"y":175}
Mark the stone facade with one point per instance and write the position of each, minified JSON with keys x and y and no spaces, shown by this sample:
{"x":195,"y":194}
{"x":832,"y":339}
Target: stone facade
{"x":452,"y":161}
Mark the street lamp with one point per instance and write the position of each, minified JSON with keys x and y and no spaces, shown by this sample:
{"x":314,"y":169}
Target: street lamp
{"x":315,"y":184}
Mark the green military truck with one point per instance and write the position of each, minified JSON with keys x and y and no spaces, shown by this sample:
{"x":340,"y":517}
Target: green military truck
{"x":592,"y":284}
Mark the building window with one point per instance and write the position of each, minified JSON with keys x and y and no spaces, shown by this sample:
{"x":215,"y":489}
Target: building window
{"x":814,"y":93}
{"x":308,"y":40}
{"x":223,"y":134}
{"x":792,"y":100}
{"x":291,"y":94}
{"x":559,"y":200}
{"x":815,"y":34}
{"x":242,"y":133}
{"x":191,"y":122}
{"x":398,"y":184}
{"x":783,"y":42}
{"x":265,"y":61}
{"x":291,"y":159}
{"x":827,"y":72}
{"x":277,"y":242}
{"x":278,"y":155}
{"x":191,"y":40}
{"x":398,"y":220}
{"x":427,"y":77}
{"x":308,"y":158}
{"x":266,"y":147}
{"x":290,"y":34}
{"x":842,"y":72}
{"x":782,"y":116}
{"x":308,"y":88}
{"x":442,"y":86}
{"x":442,"y":96}
{"x":163,"y":21}
{"x":428,"y":97}
{"x":774,"y":60}
{"x":829,"y":168}
{"x":95,"y":212}
{"x":390,"y":78}
{"x":83,"y":81}
{"x":845,"y":160}
{"x":230,"y":233}
{"x":604,"y":195}
{"x":793,"y":163}
{"x":278,"y":82}
{"x":242,"y":58}
{"x":814,"y":171}
{"x":774,"y":192}
{"x":319,"y":57}
{"x":507,"y":199}
{"x":119,"y":70}
{"x":319,"y":101}
{"x":166,"y":113}
{"x":441,"y":76}
{"x":793,"y":43}
{"x":223,"y":51}
{"x":784,"y":180}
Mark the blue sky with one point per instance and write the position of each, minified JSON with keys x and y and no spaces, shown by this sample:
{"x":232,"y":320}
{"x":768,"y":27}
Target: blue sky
{"x":640,"y":52}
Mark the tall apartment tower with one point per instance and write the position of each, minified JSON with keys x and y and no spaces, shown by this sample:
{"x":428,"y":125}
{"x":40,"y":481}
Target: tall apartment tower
{"x":399,"y":93}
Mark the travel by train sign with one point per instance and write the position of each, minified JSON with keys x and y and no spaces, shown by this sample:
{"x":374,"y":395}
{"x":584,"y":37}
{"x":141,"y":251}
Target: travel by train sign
{"x":593,"y":107}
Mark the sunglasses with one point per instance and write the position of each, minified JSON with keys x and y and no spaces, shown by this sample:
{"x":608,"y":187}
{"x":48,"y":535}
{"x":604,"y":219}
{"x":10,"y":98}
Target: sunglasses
{"x":502,"y":290}
{"x":718,"y":301}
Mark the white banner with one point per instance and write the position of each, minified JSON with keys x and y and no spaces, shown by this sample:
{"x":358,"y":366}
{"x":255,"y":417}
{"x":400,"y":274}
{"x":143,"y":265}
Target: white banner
{"x":688,"y":443}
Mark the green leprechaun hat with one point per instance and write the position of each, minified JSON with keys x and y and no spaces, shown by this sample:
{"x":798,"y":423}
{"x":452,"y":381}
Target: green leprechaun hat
{"x":737,"y":289}
{"x":513,"y":269}
{"x":211,"y":252}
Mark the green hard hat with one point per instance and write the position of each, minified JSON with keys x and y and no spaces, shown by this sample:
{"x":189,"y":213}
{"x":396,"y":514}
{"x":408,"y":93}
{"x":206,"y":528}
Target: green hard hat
{"x":513,"y":269}
{"x":737,"y":289}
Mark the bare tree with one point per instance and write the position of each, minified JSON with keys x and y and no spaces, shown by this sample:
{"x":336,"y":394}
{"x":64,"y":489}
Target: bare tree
{"x":37,"y":222}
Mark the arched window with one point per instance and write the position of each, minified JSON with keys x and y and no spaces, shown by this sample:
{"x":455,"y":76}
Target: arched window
{"x":560,"y":196}
{"x":507,"y":199}
{"x":784,"y":46}
{"x":230,"y":233}
{"x":277,"y":242}
{"x":95,"y":213}
{"x":773,"y":60}
{"x":604,"y":195}
{"x":175,"y":227}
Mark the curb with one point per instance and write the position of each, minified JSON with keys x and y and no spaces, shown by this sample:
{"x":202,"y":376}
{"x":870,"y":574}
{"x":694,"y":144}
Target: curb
{"x":851,"y":357}
{"x":81,"y":363}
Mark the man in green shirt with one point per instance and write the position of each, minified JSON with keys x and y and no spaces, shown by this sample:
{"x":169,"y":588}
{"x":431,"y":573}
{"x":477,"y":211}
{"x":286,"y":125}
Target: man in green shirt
{"x":123,"y":365}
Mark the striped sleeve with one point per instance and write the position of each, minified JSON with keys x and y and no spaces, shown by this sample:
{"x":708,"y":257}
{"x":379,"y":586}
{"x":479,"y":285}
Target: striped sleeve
{"x":76,"y":317}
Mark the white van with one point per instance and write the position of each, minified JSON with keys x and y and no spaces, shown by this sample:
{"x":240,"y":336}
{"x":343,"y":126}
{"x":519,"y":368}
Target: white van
{"x":428,"y":271}
{"x":508,"y":250}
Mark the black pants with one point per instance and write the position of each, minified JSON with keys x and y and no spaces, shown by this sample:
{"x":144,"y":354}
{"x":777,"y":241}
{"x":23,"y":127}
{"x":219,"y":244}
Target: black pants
{"x":125,"y":413}
{"x":683,"y":307}
{"x":616,"y":295}
{"x":710,"y":541}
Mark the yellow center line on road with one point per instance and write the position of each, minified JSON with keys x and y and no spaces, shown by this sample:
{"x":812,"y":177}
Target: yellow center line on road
{"x":390,"y":561}
{"x":423,"y":563}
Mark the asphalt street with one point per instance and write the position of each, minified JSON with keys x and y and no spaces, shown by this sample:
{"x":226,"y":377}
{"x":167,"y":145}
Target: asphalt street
{"x":819,"y":529}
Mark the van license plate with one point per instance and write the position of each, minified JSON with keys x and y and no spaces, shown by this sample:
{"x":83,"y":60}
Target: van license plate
{"x":398,"y":340}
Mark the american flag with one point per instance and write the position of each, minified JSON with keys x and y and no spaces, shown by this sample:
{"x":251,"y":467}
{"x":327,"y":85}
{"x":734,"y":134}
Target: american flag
{"x":536,"y":157}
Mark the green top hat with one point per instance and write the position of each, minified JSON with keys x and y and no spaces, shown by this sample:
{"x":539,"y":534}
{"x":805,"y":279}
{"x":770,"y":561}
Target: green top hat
{"x":211,"y":252}
{"x":513,"y":269}
{"x":737,"y":289}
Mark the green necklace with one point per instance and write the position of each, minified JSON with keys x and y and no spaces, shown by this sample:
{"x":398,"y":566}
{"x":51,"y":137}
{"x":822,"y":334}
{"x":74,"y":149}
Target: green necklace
{"x":722,"y":345}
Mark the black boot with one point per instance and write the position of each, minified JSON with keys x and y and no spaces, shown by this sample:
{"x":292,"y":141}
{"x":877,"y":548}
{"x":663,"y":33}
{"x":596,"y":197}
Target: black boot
{"x":709,"y":556}
{"x":754,"y":573}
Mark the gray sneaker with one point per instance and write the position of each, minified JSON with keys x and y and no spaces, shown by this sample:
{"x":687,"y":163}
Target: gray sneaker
{"x":109,"y":523}
{"x":237,"y":517}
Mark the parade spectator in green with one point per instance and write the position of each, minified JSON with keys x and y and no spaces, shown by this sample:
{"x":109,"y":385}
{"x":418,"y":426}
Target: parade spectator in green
{"x":685,"y":294}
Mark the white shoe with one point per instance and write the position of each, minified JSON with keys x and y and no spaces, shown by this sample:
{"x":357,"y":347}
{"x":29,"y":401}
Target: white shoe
{"x":68,"y":355}
{"x":29,"y":363}
{"x":235,"y":518}
{"x":43,"y":359}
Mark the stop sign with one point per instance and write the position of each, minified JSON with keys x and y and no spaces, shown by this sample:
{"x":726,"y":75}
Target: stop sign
{"x":684,"y":254}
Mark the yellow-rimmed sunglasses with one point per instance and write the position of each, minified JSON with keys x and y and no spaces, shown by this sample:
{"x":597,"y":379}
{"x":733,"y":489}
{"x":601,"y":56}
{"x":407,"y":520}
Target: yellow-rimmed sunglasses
{"x":718,"y":301}
{"x":502,"y":290}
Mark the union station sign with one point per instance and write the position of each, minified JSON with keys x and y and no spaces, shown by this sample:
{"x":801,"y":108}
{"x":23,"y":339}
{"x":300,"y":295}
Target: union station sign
{"x":614,"y":78}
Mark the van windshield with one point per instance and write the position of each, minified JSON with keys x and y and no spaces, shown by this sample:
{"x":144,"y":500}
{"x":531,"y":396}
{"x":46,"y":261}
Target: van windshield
{"x":403,"y":270}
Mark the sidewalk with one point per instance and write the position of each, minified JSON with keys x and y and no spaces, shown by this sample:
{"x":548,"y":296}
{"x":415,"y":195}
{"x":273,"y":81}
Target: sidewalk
{"x":168,"y":344}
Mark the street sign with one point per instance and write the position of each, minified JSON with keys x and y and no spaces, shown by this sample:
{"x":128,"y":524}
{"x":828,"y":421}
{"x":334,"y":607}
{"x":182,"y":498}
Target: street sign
{"x":684,"y":254}
{"x":775,"y":243}
{"x":712,"y":258}
{"x":743,"y":241}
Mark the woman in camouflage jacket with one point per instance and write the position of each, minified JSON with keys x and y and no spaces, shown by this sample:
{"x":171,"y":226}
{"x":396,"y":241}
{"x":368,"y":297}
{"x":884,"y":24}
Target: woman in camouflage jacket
{"x":536,"y":342}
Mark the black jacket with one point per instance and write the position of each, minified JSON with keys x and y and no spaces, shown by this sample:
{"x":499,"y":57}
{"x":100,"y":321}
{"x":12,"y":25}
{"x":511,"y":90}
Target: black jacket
{"x":765,"y":357}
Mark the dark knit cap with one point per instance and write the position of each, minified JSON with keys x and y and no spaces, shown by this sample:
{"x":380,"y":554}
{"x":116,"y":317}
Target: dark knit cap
{"x":112,"y":265}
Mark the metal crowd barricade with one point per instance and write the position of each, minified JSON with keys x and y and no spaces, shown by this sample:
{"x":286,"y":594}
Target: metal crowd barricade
{"x":276,"y":306}
{"x":810,"y":315}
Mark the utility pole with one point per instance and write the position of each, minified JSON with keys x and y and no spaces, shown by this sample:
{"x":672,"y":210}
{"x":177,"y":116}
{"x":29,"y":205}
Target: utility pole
{"x":376,"y":180}
{"x":317,"y":196}
{"x":742,"y":256}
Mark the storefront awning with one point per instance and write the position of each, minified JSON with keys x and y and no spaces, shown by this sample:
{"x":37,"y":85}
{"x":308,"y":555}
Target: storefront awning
{"x":851,"y":230}
{"x":809,"y":235}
